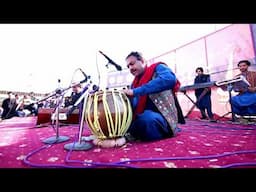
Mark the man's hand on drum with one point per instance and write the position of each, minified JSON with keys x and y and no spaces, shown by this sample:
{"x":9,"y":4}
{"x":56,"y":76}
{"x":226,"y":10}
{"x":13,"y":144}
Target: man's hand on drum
{"x":128,"y":92}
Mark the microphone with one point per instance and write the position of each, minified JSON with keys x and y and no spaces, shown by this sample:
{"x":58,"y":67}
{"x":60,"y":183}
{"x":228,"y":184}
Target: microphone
{"x":118,"y":67}
{"x":85,"y":76}
{"x":95,"y":88}
{"x":58,"y":91}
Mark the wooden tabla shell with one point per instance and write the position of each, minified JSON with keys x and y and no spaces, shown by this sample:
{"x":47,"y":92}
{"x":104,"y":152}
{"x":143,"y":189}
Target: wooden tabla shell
{"x":108,"y":114}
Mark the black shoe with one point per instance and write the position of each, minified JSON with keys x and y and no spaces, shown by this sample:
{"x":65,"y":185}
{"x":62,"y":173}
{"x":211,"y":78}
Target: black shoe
{"x":213,"y":120}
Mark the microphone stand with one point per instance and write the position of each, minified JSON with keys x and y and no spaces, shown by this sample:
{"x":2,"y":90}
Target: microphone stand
{"x":110,"y":61}
{"x":60,"y":94}
{"x":229,"y":88}
{"x":57,"y":138}
{"x":57,"y":92}
{"x":81,"y":144}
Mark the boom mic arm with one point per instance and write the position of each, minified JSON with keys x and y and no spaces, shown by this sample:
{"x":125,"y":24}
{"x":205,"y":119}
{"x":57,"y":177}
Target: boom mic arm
{"x":85,"y":76}
{"x":118,"y":67}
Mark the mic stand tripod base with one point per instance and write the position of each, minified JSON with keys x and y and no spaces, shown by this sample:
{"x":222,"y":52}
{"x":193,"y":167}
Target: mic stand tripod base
{"x":54,"y":139}
{"x":229,"y":89}
{"x":78,"y":146}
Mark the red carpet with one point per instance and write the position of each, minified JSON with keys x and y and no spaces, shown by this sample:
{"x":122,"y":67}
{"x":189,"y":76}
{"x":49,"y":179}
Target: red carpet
{"x":200,"y":144}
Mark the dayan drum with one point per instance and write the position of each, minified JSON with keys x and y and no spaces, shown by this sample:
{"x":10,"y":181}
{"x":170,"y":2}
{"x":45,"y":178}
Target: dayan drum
{"x":108,"y":115}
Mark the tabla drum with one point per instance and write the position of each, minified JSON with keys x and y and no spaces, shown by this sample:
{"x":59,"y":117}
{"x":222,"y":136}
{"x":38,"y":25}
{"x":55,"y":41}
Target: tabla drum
{"x":108,"y":115}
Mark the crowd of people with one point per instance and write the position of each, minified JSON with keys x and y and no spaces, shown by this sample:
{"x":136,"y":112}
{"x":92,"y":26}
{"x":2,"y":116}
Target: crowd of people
{"x":19,"y":106}
{"x":15,"y":105}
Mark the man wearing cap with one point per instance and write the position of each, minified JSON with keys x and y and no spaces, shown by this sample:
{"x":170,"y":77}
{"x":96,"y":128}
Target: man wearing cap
{"x":77,"y":92}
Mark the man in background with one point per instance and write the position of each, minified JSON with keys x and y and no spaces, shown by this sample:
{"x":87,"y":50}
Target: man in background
{"x":245,"y":102}
{"x":70,"y":102}
{"x":203,"y":95}
{"x":9,"y":106}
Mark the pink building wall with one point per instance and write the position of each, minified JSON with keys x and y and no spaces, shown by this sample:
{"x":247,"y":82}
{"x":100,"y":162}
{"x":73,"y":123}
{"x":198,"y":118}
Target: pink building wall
{"x":218,"y":53}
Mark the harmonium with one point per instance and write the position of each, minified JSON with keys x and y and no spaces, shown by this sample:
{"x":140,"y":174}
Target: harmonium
{"x":237,"y":83}
{"x":48,"y":115}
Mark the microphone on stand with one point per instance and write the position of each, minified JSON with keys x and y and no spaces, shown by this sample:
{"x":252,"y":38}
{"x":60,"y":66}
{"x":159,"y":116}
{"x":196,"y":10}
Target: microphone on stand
{"x":118,"y":67}
{"x":95,"y":88}
{"x":58,"y":90}
{"x":56,"y":118}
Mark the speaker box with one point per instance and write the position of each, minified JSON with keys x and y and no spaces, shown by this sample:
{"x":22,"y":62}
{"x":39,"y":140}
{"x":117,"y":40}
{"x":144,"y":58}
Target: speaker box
{"x":45,"y":115}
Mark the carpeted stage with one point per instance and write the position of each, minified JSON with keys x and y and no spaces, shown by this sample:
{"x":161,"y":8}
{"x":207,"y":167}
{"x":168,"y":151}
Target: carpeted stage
{"x":199,"y":144}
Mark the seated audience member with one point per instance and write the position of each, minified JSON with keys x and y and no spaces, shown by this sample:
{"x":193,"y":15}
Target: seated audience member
{"x":20,"y":107}
{"x":27,"y":106}
{"x":245,"y":102}
{"x":34,"y":105}
{"x":23,"y":107}
{"x":1,"y":111}
{"x":9,"y":106}
{"x":70,"y":102}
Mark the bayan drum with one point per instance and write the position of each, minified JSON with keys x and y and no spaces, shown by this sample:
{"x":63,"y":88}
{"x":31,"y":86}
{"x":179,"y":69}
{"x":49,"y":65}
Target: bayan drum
{"x":108,"y":115}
